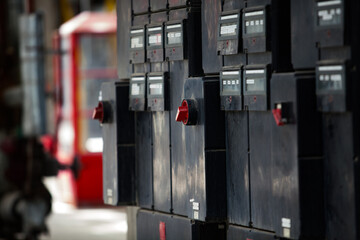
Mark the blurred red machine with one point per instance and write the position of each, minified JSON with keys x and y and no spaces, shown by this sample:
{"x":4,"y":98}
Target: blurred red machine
{"x":87,"y":47}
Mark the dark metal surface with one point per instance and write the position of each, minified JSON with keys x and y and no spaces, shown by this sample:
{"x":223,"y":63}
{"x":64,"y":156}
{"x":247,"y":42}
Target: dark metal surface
{"x":182,"y":3}
{"x":156,"y":5}
{"x":144,"y":159}
{"x":119,"y":146}
{"x":237,"y":165}
{"x":123,"y":39}
{"x":339,"y":176}
{"x":32,"y":74}
{"x":229,"y":5}
{"x":210,"y":13}
{"x":178,"y":73}
{"x":140,"y":6}
{"x":237,"y":232}
{"x":260,"y":177}
{"x":161,"y":161}
{"x":303,"y":49}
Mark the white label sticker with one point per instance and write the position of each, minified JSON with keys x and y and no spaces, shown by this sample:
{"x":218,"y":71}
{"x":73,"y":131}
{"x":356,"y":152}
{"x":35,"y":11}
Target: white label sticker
{"x":137,"y":31}
{"x":156,"y":78}
{"x":331,"y":68}
{"x":109,"y":192}
{"x":173,"y":26}
{"x":137,"y":79}
{"x":196,"y":215}
{"x":286,"y":232}
{"x":260,"y":71}
{"x":231,"y":73}
{"x":286,"y":222}
{"x":154,"y":29}
{"x":196,"y":206}
{"x":229,"y":17}
{"x":249,"y":14}
{"x":328,"y":3}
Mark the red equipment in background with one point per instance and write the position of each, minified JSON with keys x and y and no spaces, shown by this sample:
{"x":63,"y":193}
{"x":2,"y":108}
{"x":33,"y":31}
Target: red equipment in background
{"x":87,"y":44}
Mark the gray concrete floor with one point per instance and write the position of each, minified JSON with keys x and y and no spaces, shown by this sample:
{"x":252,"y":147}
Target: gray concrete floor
{"x":86,"y":224}
{"x":67,"y":222}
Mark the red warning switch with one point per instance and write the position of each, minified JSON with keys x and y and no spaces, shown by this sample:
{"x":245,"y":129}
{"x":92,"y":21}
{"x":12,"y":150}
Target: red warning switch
{"x":278,"y":115}
{"x":187,"y":112}
{"x":183,"y":112}
{"x":99,"y":112}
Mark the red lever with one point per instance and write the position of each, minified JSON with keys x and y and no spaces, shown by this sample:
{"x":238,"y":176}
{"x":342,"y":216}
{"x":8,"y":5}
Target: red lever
{"x":99,"y":112}
{"x":183,"y":113}
{"x":277,"y":113}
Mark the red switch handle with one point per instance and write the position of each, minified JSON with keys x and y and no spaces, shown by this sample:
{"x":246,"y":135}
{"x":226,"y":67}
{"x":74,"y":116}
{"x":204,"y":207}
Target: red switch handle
{"x":278,"y":117}
{"x":98,"y":112}
{"x":183,"y":112}
{"x":187,"y":112}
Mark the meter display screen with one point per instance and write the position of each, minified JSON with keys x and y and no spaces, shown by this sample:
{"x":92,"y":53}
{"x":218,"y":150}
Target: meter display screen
{"x":155,"y":88}
{"x":254,"y":22}
{"x":228,"y":29}
{"x":330,"y":78}
{"x":137,"y":42}
{"x":174,"y":37}
{"x":137,"y":89}
{"x":155,"y":39}
{"x":255,"y":80}
{"x":329,"y":13}
{"x":231,"y":85}
{"x":255,"y":84}
{"x":137,"y":86}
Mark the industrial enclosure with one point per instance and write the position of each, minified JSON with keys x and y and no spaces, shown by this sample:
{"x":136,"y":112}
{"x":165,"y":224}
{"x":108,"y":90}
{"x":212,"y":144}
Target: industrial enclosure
{"x":235,"y":119}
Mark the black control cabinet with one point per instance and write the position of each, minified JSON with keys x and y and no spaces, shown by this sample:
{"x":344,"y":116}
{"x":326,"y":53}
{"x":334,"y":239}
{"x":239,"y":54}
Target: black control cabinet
{"x":155,"y":42}
{"x":119,"y":167}
{"x":137,"y":45}
{"x":296,"y":158}
{"x":256,"y":87}
{"x":256,"y":29}
{"x":277,"y":158}
{"x":330,"y":23}
{"x":229,"y":33}
{"x":183,"y":39}
{"x":231,"y":93}
{"x":157,"y":91}
{"x":137,"y":93}
{"x":205,"y":152}
{"x":175,"y":40}
{"x":332,"y":87}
